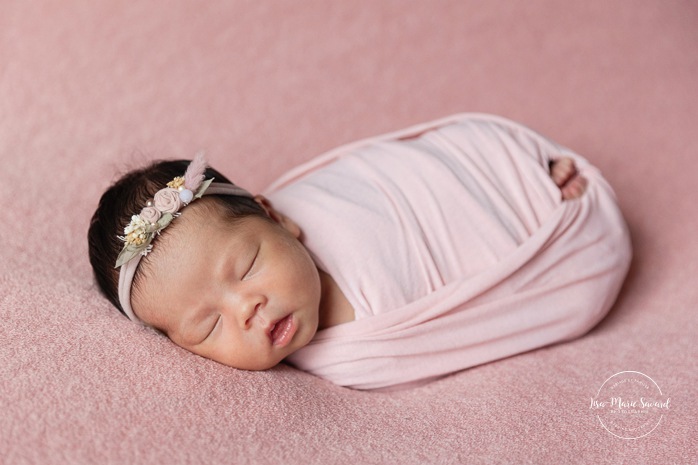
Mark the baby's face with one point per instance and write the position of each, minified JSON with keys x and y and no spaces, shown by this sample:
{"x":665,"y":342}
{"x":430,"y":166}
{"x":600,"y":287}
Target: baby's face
{"x":246,"y":296}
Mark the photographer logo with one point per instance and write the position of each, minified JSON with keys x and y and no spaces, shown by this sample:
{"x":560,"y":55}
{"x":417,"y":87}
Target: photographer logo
{"x":630,"y":405}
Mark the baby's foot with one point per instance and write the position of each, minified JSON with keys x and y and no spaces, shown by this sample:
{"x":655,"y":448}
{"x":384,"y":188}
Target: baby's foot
{"x":565,"y":175}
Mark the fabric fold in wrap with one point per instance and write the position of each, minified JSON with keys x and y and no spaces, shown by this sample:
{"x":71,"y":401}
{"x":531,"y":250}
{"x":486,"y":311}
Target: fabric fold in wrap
{"x":453,"y":245}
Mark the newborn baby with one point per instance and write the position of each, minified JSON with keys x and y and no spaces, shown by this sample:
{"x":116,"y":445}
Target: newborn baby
{"x":384,"y":263}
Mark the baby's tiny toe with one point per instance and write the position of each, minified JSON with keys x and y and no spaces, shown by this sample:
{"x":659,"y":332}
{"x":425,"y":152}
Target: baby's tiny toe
{"x":562,"y":170}
{"x":574,"y":188}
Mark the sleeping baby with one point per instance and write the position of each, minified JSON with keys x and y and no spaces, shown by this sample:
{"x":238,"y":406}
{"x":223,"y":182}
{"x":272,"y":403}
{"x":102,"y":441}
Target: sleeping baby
{"x":382,"y":264}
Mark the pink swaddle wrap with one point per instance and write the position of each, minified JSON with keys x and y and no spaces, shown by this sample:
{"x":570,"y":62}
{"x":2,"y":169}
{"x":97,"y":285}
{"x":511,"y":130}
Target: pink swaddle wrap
{"x":454,"y":247}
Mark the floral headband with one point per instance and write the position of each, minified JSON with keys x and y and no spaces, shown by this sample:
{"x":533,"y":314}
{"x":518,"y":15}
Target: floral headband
{"x":157,"y":215}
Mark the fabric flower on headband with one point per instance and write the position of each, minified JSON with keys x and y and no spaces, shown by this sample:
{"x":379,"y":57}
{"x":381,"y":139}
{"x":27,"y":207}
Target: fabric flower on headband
{"x":164,"y":207}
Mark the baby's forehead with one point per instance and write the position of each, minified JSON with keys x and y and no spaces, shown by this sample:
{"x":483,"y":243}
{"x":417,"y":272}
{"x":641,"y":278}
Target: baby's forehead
{"x":199,"y":232}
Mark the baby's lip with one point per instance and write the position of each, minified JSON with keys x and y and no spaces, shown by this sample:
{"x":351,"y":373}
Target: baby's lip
{"x":280,"y":336}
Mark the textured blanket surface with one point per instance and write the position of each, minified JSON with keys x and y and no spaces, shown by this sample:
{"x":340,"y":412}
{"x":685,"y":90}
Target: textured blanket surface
{"x":90,"y":89}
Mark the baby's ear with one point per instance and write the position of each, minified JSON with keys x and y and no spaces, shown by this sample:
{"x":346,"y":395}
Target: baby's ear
{"x":287,"y":223}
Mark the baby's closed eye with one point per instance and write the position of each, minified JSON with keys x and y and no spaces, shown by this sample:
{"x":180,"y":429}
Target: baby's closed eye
{"x":215,"y":326}
{"x":251,"y":269}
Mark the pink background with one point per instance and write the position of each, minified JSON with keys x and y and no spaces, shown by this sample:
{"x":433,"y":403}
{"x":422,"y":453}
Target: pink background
{"x":88,"y":89}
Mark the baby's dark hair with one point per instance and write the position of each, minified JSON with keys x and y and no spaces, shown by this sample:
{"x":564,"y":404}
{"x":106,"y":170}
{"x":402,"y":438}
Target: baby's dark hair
{"x":126,"y":197}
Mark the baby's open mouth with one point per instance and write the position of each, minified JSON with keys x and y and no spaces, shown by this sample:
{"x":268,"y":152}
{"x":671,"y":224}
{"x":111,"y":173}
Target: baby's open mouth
{"x":282,"y":331}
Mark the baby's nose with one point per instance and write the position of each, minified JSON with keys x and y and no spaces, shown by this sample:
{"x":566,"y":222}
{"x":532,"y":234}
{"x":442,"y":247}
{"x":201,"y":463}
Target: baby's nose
{"x":250,"y":311}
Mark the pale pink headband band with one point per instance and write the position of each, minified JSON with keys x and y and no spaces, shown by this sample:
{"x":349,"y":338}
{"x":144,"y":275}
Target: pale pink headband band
{"x":157,"y":215}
